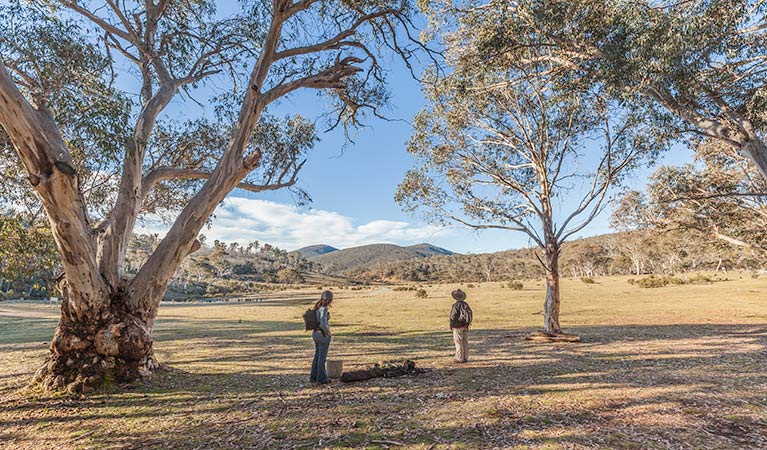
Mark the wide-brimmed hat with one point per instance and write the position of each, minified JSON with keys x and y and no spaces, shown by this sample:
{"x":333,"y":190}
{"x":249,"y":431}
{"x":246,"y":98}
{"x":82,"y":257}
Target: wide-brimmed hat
{"x":326,"y":295}
{"x":459,"y":295}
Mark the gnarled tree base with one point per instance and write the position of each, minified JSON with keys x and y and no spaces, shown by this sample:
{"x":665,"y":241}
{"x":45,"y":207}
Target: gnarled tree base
{"x":82,"y":361}
{"x":542,"y":336}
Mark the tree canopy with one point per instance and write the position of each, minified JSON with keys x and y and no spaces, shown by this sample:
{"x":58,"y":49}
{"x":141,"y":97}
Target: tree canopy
{"x":698,"y":66}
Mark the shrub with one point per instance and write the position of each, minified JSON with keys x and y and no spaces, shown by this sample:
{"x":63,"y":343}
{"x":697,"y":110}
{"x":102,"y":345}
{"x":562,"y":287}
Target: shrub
{"x":652,"y":282}
{"x":214,"y":290}
{"x":404,"y":288}
{"x":515,"y":285}
{"x":674,"y":280}
{"x":588,"y":280}
{"x":754,"y":275}
{"x":631,"y":281}
{"x":470,"y":285}
{"x":421,"y":293}
{"x":701,"y":279}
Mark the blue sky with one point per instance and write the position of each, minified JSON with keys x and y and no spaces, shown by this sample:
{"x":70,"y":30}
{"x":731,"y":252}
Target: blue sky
{"x":353,"y":186}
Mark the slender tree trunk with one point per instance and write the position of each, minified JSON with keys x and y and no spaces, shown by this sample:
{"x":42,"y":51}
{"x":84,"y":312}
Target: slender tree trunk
{"x":551,"y":305}
{"x":551,"y":255}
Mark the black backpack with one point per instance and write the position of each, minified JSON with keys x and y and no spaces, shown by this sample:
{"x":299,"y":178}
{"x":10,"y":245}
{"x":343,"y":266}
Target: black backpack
{"x":310,"y":320}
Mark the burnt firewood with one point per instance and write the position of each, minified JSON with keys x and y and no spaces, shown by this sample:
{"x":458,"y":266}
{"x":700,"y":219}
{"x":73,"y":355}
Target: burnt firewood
{"x":383,"y":370}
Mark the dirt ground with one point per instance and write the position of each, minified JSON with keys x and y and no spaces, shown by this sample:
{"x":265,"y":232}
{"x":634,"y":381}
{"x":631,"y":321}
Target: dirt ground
{"x":669,"y":368}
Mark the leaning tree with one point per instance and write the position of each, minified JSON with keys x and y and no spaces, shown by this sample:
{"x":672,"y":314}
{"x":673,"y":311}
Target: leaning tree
{"x":512,"y":149}
{"x":99,"y":154}
{"x":699,"y":64}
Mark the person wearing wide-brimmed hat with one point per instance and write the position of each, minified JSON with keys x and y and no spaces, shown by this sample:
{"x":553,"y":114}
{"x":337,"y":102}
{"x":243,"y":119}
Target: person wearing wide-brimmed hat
{"x":460,"y":319}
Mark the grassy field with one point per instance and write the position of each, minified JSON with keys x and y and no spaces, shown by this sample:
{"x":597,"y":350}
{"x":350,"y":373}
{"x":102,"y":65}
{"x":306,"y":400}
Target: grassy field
{"x":673,"y":367}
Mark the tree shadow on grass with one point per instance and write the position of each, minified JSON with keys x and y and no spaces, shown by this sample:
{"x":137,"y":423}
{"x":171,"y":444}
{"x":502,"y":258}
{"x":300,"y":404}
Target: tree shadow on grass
{"x":676,"y":386}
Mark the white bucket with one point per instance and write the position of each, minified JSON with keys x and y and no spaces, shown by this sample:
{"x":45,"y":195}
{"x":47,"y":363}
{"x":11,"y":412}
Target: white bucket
{"x":334,"y":368}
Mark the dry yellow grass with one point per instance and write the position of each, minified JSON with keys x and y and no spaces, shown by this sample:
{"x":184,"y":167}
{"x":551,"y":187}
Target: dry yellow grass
{"x":673,"y":367}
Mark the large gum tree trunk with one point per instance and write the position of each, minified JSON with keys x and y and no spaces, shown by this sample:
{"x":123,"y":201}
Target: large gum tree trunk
{"x":114,"y":344}
{"x":91,"y":350}
{"x":99,"y":337}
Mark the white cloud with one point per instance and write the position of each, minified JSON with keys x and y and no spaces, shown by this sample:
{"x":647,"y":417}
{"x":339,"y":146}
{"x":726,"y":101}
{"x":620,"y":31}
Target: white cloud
{"x":242,"y":220}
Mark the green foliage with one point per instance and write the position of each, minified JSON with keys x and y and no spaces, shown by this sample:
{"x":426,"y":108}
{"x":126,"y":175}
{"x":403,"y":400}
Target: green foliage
{"x":504,"y":136}
{"x":421,"y":293}
{"x":654,"y":281}
{"x":686,"y":66}
{"x":588,"y":280}
{"x":68,"y":59}
{"x":515,"y":285}
{"x":28,"y":255}
{"x":65,"y":69}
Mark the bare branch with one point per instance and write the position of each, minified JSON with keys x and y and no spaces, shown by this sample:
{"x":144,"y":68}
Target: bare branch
{"x":330,"y":78}
{"x":102,"y":23}
{"x":167,"y":173}
{"x":336,"y":41}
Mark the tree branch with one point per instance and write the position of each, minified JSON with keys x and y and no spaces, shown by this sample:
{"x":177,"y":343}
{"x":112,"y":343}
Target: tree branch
{"x":103,"y":24}
{"x":336,"y":41}
{"x":330,"y":78}
{"x":167,"y":173}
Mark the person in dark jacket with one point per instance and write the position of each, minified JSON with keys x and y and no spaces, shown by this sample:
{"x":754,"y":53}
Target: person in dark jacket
{"x":460,"y":319}
{"x":321,"y":337}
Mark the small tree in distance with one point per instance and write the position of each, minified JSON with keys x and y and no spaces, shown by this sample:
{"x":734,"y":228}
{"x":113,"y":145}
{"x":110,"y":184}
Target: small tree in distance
{"x":510,"y":150}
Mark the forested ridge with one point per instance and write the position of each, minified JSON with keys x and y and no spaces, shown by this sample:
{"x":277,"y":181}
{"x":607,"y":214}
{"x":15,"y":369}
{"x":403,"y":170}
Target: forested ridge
{"x":221,"y":269}
{"x":623,"y":253}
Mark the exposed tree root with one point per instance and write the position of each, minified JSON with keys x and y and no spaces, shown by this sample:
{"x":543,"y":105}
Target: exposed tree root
{"x":80,"y":363}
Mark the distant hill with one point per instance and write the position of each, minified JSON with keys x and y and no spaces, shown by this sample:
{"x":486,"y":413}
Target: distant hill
{"x":315,"y":250}
{"x":356,"y":258}
{"x":428,"y":250}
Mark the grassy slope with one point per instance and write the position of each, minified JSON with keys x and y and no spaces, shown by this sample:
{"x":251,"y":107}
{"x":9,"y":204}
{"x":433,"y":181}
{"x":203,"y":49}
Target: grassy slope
{"x":675,"y":367}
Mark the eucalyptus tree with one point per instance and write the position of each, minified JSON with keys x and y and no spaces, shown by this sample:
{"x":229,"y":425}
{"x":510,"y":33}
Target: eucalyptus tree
{"x":701,"y":64}
{"x":632,"y":218}
{"x":720,"y":195}
{"x":509,"y":149}
{"x":99,"y":154}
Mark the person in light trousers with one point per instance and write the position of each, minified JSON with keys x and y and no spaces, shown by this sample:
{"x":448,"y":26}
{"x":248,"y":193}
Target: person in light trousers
{"x":460,"y":319}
